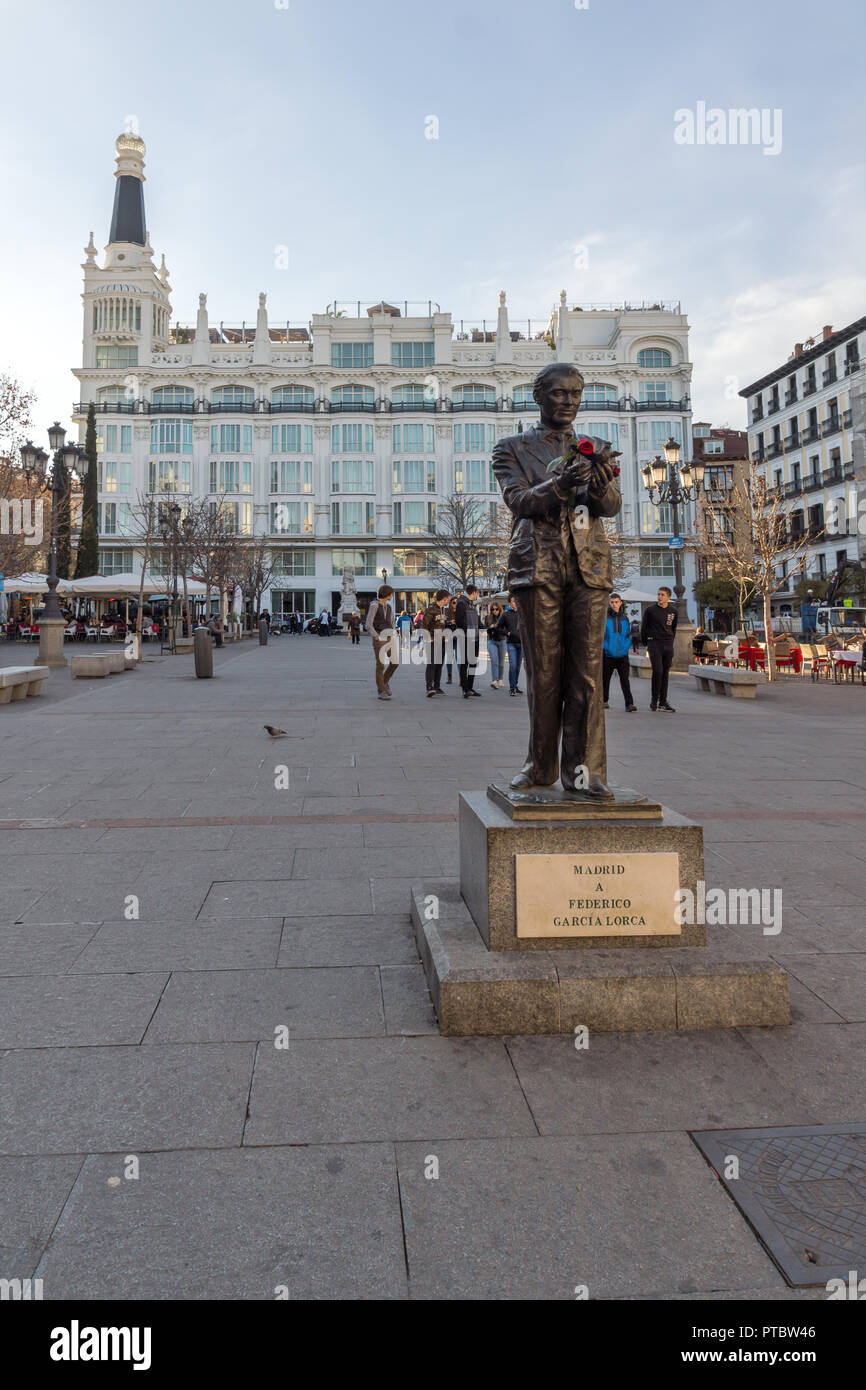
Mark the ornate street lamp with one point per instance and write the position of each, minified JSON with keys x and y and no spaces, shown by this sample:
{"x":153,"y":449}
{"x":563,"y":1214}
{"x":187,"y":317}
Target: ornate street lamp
{"x":666,"y":480}
{"x":34,"y":462}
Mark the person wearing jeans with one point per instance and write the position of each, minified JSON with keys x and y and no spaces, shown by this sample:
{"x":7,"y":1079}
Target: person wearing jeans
{"x":495,"y":646}
{"x":510,"y":625}
{"x":617,"y":640}
{"x":658,"y":630}
{"x":435,"y":628}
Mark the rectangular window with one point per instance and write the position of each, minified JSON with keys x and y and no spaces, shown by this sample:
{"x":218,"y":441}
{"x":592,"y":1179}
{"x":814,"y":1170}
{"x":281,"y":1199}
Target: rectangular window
{"x":110,"y":439}
{"x":109,"y":476}
{"x":114,"y":561}
{"x":171,"y":437}
{"x":166,"y":475}
{"x":352,"y":354}
{"x":126,"y":439}
{"x":292,"y":518}
{"x":413,"y":518}
{"x":655,"y":391}
{"x":656,"y":518}
{"x":291,"y":475}
{"x":109,"y":518}
{"x":656,"y":564}
{"x":117,"y":357}
{"x":478,"y":476}
{"x":363,"y":562}
{"x":411,"y":354}
{"x":603,"y":429}
{"x":293,"y":563}
{"x":410,"y":475}
{"x":653,"y":434}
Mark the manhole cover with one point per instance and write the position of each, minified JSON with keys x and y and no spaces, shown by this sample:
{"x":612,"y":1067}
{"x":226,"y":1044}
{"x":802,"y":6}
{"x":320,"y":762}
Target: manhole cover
{"x":802,"y":1190}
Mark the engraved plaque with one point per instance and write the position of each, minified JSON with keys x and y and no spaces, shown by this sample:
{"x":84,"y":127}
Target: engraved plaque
{"x":597,"y":894}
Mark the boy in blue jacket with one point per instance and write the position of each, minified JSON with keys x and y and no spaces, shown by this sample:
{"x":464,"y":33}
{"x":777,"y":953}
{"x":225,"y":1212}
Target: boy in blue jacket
{"x":617,"y":644}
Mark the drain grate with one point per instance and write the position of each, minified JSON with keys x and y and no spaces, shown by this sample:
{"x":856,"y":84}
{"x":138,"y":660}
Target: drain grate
{"x":803,"y":1191}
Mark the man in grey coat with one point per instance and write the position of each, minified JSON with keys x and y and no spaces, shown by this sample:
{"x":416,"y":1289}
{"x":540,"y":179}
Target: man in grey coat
{"x":559,"y":571}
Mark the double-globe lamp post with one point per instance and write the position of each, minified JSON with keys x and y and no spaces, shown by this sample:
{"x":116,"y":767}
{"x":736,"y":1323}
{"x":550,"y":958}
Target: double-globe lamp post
{"x":34,"y":462}
{"x":667,"y":480}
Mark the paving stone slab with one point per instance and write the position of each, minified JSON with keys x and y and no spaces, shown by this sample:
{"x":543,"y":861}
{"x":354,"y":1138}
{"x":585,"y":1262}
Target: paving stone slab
{"x":383,"y":940}
{"x":237,"y":1005}
{"x":101,"y":1099}
{"x":824,"y":1063}
{"x":57,"y":1011}
{"x":535,"y":1218}
{"x":33,"y":949}
{"x":236,"y":1225}
{"x":838,"y":979}
{"x":408,"y":1006}
{"x":652,"y":1081}
{"x":32,"y":1194}
{"x":391,"y":1088}
{"x":803,"y":1191}
{"x":211,"y":945}
{"x":335,"y":898}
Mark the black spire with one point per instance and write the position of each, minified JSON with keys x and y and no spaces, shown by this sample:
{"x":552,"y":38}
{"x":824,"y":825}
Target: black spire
{"x":127,"y":218}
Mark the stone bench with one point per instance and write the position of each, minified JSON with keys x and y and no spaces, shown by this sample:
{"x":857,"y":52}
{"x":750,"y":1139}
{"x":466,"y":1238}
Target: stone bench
{"x":97,"y":665}
{"x":727,"y":680}
{"x":17,"y":682}
{"x":640,"y":666}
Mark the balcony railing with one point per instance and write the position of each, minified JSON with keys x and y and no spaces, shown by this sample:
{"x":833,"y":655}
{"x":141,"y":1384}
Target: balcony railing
{"x":810,"y":434}
{"x":790,"y":397}
{"x":773,"y":405}
{"x":832,"y":426}
{"x":792,"y":442}
{"x":282,"y":408}
{"x":852,"y":365}
{"x":828,"y":376}
{"x":810,"y":385}
{"x":792,"y":489}
{"x":470,"y":405}
{"x":401,"y":407}
{"x":756,"y":416}
{"x":775,"y":449}
{"x":846,"y":419}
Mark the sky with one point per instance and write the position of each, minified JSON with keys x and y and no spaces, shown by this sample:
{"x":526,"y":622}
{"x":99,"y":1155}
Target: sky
{"x":304,"y":124}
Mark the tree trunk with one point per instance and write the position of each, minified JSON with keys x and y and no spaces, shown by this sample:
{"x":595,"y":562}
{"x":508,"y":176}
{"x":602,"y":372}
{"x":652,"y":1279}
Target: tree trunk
{"x":770,"y":665}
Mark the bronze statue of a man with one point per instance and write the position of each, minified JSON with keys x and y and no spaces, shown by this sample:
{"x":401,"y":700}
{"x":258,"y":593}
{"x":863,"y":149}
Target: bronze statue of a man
{"x":558,"y":486}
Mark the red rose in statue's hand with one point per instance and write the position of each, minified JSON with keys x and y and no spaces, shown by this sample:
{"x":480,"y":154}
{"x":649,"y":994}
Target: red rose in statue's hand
{"x":615,"y":467}
{"x":585,"y":446}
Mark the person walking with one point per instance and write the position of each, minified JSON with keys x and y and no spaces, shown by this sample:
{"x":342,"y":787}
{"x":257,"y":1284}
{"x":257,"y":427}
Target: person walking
{"x":324,"y":623}
{"x":380,"y":626}
{"x":658,"y":630}
{"x":495,"y":645}
{"x":617,"y":641}
{"x":510,"y":626}
{"x":450,"y":626}
{"x":634,"y":631}
{"x":435,"y":630}
{"x":467,"y":624}
{"x":355,"y":629}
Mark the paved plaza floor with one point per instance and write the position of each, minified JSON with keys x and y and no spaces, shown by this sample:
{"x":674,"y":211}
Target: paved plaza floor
{"x":221,"y":1071}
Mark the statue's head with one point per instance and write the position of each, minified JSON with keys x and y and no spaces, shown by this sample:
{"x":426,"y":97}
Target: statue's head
{"x":558,"y":389}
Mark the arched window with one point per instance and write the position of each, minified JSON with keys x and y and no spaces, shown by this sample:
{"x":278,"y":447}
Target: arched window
{"x":654,"y":357}
{"x":112,"y":395}
{"x":352,"y":398}
{"x":292,"y":398}
{"x":596,"y":395}
{"x":412,"y":398}
{"x":174,"y":396}
{"x":474,"y":397}
{"x":233,"y":398}
{"x":523,"y":398}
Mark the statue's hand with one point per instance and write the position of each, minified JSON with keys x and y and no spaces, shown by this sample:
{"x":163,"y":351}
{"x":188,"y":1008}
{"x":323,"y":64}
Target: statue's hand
{"x":576,"y":476}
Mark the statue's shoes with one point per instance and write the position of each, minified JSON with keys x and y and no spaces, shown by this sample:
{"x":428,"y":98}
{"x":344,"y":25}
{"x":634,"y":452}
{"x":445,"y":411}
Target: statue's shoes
{"x":523,"y":782}
{"x":595,"y":788}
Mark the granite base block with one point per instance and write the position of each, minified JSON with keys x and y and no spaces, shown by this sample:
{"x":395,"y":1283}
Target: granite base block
{"x":489,"y":841}
{"x":478,"y":992}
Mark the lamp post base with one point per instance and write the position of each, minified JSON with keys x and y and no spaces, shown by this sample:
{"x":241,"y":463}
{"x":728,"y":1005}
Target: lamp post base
{"x":51,"y":642}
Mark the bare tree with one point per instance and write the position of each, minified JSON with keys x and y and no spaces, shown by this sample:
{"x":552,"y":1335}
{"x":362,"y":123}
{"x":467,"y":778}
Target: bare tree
{"x":213,"y":550}
{"x":467,"y":541}
{"x":256,"y":563}
{"x":21,"y":501}
{"x":752,"y":550}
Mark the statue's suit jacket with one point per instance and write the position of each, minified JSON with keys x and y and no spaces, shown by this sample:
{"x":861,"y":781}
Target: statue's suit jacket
{"x":520,"y":465}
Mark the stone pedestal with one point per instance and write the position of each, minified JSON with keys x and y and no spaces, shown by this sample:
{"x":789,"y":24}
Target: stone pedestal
{"x":683,"y":653}
{"x":566,"y":914}
{"x":51,"y":641}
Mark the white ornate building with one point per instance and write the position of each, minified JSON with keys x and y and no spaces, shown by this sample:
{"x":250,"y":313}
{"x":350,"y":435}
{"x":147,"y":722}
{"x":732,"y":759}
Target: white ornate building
{"x":337,"y":438}
{"x":807,"y":430}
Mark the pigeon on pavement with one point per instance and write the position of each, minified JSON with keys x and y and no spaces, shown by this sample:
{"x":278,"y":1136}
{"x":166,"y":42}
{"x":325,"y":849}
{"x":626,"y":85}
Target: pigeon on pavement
{"x":275,"y":733}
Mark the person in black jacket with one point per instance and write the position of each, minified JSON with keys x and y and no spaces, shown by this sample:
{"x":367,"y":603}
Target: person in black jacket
{"x":509,"y":625}
{"x":657,"y":633}
{"x":467,"y":624}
